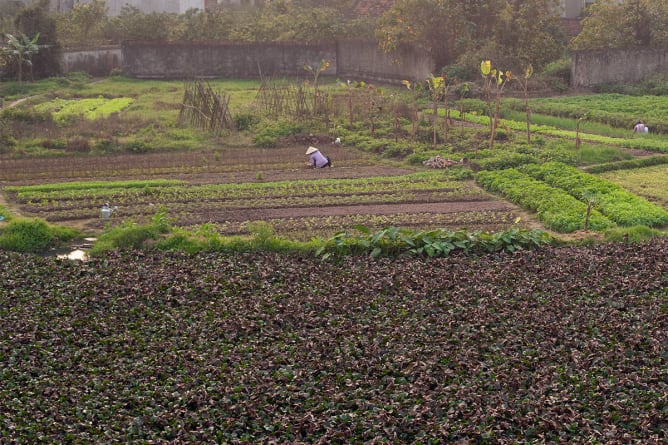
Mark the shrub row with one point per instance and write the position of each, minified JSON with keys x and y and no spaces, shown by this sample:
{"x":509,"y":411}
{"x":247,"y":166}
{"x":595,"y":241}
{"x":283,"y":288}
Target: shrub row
{"x":618,"y":204}
{"x":556,"y":209}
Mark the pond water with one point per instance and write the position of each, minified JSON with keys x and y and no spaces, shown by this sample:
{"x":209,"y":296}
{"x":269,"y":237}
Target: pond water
{"x":77,"y":253}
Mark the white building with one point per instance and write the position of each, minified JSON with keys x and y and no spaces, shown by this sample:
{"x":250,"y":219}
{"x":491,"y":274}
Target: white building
{"x":149,"y":6}
{"x":146,"y":6}
{"x":571,"y":9}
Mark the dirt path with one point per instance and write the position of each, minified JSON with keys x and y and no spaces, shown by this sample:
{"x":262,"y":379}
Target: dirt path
{"x":17,"y":101}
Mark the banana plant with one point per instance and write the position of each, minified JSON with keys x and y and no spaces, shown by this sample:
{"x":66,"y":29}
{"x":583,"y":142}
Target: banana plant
{"x":436,"y":86}
{"x":22,"y":48}
{"x":316,"y":71}
{"x":414,"y":88}
{"x":495,"y":81}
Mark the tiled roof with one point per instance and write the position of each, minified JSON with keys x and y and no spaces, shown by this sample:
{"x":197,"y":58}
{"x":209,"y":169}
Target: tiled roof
{"x":373,"y":8}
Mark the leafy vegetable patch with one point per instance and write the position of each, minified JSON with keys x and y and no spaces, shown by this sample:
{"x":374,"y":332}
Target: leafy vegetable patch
{"x":553,"y":345}
{"x":64,"y":110}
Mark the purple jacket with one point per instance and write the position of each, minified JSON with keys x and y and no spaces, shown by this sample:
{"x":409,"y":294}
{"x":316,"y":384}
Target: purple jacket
{"x":318,"y":160}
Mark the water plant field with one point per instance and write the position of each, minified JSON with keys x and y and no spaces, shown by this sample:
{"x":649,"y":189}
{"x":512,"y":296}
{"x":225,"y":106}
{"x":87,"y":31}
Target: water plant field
{"x":551,"y":346}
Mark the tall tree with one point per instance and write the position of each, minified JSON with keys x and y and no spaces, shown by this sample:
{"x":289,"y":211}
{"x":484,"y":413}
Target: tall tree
{"x":133,"y":24}
{"x":519,"y":31}
{"x":629,"y":24}
{"x":285,"y":21}
{"x":440,"y":27}
{"x":526,"y":32}
{"x":34,"y":20}
{"x":210,"y":25}
{"x":8,"y":10}
{"x":83,"y":24}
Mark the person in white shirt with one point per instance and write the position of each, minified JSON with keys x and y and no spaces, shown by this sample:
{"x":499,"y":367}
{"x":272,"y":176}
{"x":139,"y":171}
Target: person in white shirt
{"x":640,"y":127}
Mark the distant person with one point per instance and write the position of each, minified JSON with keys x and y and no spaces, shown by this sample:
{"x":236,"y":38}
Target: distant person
{"x":640,"y":127}
{"x":317,"y":159}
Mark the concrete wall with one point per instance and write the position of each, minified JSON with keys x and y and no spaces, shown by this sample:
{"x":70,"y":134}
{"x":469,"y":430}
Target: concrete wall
{"x":362,"y":60}
{"x":181,"y":60}
{"x":591,"y":68}
{"x":351,"y":60}
{"x":97,"y":62}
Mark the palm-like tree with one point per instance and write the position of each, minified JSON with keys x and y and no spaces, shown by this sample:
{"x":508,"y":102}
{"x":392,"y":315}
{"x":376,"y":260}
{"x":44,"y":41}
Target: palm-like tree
{"x":23,"y":48}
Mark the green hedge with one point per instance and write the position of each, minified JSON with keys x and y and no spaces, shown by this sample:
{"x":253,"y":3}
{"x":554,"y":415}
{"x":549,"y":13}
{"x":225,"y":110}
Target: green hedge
{"x":556,"y":209}
{"x":618,"y":204}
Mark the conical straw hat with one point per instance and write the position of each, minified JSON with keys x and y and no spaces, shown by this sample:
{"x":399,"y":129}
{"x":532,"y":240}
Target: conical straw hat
{"x":311,"y":150}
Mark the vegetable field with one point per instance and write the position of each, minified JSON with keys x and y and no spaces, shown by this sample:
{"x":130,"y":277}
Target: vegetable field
{"x":247,"y":345}
{"x":231,"y":187}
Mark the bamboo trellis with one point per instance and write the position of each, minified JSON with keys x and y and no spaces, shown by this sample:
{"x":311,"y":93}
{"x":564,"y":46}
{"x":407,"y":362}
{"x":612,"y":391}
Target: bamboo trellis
{"x":205,"y":108}
{"x":285,"y":100}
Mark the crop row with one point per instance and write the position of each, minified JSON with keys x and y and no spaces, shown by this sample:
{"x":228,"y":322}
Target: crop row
{"x":628,"y":164}
{"x":180,"y":192}
{"x":229,"y":160}
{"x":87,"y":187}
{"x":556,"y":209}
{"x":305,"y":228}
{"x":616,"y":110}
{"x":267,"y":201}
{"x":118,"y":171}
{"x":621,"y":206}
{"x":90,"y":209}
{"x":644,"y":143}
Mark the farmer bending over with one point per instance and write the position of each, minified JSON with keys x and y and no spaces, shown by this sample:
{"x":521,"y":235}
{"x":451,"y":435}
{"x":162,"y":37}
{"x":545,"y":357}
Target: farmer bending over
{"x":318,"y":160}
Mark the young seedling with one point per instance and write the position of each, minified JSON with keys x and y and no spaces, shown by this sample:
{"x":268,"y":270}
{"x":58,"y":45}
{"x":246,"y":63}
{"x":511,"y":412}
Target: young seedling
{"x":528,"y":72}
